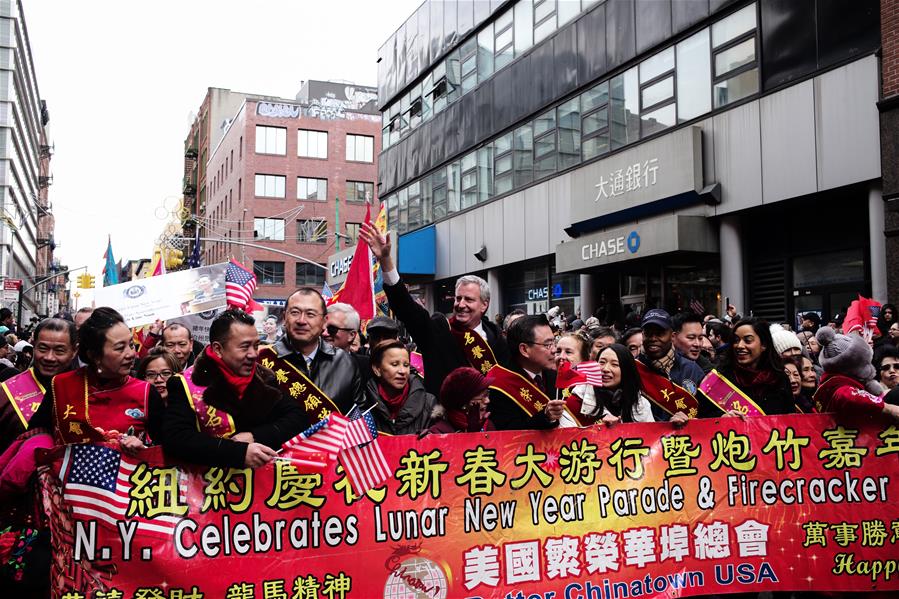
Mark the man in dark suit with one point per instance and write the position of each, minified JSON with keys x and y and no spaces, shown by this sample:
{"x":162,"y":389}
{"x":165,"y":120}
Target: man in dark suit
{"x":465,"y":339}
{"x":532,"y":345}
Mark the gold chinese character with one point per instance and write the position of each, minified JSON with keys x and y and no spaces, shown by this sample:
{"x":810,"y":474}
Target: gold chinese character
{"x":732,"y":451}
{"x":477,"y":352}
{"x":578,"y":462}
{"x":312,"y":402}
{"x":420,"y":473}
{"x":631,"y":450}
{"x":213,"y":418}
{"x":296,"y":388}
{"x":281,"y":375}
{"x":75,"y":428}
{"x":480,"y":473}
{"x":223,"y":485}
{"x":154,"y":492}
{"x":486,"y":366}
{"x":70,"y":410}
{"x":468,"y":338}
{"x":525,"y":394}
{"x":268,"y":363}
{"x":293,"y":488}
{"x":680,"y":453}
{"x":842,"y":453}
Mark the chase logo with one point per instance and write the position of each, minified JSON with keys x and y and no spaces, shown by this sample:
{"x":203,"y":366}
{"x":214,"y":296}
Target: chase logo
{"x":135,"y":291}
{"x":633,"y":242}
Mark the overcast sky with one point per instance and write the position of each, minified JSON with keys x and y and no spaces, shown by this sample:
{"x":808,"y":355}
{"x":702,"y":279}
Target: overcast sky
{"x":122,"y":79}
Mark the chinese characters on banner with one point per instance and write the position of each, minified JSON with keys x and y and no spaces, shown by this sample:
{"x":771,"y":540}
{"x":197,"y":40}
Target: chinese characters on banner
{"x":782,"y":503}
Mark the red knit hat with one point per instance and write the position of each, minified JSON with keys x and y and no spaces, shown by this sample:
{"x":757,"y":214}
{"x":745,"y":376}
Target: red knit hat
{"x":460,"y":386}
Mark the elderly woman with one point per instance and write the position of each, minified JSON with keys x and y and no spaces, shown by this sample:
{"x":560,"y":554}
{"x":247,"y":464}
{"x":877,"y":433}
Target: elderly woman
{"x":157,"y":367}
{"x":462,"y":408}
{"x":397,"y":399}
{"x":101,"y":401}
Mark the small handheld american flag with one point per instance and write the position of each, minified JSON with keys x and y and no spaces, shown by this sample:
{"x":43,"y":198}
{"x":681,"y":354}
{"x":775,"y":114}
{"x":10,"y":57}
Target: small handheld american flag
{"x":324,"y":437}
{"x":362,"y":458}
{"x":592,"y":371}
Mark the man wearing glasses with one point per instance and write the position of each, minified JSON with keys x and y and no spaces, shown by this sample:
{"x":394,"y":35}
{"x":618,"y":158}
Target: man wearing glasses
{"x":321,"y":378}
{"x":342,"y":326}
{"x":465,"y":339}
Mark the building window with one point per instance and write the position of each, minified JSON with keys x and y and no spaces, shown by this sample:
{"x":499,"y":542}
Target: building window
{"x":544,"y":19}
{"x":352,"y":233}
{"x":268,"y":228}
{"x":502,"y":164}
{"x":360,"y":148}
{"x":312,"y":189}
{"x":657,"y":101}
{"x":314,"y":230}
{"x":545,"y":144}
{"x":270,"y":186}
{"x":469,"y":180}
{"x":310,"y":275}
{"x":624,"y":109}
{"x":523,"y":155}
{"x":734,"y":56}
{"x":312,"y":144}
{"x":359,"y":191}
{"x":503,"y":40}
{"x":269,"y":273}
{"x":569,"y":128}
{"x":414,"y":218}
{"x":271,"y":140}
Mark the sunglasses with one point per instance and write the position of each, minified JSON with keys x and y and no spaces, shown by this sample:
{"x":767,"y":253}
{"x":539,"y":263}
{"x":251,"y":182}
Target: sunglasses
{"x":333,"y":329}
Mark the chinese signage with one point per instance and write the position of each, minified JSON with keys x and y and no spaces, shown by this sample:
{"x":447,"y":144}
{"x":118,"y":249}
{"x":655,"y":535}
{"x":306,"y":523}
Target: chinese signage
{"x":649,"y":173}
{"x":651,"y":237}
{"x":793,"y":503}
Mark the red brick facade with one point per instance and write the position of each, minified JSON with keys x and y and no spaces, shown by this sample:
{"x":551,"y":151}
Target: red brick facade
{"x":231,"y":204}
{"x":889,"y":34}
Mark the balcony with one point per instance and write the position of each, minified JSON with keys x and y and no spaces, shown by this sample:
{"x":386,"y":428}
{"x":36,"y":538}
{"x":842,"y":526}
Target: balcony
{"x":46,"y":151}
{"x":191,"y":153}
{"x":189,"y":187}
{"x":45,"y":182}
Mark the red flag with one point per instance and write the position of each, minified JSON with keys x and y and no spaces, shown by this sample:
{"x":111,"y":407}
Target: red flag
{"x":567,"y":377}
{"x":860,"y":318}
{"x":358,"y":289}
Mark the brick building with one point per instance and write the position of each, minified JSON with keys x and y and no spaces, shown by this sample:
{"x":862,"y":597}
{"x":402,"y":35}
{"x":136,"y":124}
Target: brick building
{"x":889,"y":137}
{"x":292,"y":177}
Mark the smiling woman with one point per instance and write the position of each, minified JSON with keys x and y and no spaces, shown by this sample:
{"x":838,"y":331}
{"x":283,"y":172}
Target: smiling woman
{"x":118,"y":408}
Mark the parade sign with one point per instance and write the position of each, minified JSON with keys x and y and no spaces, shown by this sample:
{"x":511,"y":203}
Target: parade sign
{"x":721,"y":506}
{"x":143,"y":301}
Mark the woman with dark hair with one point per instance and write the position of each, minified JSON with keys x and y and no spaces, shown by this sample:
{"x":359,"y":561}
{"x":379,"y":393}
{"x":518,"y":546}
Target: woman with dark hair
{"x":118,"y":407}
{"x":750,"y":379}
{"x":808,"y":375}
{"x":791,"y":369}
{"x":887,"y":318}
{"x":462,"y":407}
{"x":397,"y":399}
{"x":620,"y":398}
{"x":886,"y":362}
{"x":157,"y":367}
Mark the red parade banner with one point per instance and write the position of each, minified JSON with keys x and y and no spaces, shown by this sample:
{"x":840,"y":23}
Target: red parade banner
{"x":721,"y":506}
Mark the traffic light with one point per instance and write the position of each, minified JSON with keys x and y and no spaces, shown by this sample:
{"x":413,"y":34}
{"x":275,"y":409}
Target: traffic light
{"x":174,"y":259}
{"x":86,"y":281}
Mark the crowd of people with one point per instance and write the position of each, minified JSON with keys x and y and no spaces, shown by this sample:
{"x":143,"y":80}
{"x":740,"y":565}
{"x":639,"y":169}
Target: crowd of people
{"x":234,"y":401}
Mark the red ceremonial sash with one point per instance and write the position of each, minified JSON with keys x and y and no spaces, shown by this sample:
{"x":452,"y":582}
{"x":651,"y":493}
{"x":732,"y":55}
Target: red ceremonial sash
{"x":476,"y":350}
{"x":518,"y":388}
{"x":25,"y":393}
{"x":79,"y":410}
{"x":573,"y":404}
{"x":728,"y":396}
{"x":294,"y":382}
{"x":669,"y":396}
{"x":210,"y":420}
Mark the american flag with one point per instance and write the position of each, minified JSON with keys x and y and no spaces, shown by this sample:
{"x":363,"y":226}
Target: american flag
{"x":97,"y":487}
{"x":323,"y":437}
{"x":592,"y":371}
{"x":327,"y":292}
{"x":195,"y":261}
{"x":362,"y":458}
{"x":240,"y":284}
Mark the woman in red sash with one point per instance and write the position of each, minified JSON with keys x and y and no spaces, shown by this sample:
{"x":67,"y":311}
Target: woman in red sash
{"x":752,"y":365}
{"x":397,"y":399}
{"x":101,"y":401}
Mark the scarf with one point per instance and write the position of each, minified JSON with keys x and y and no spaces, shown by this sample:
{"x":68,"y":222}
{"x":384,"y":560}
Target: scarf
{"x":239,"y":383}
{"x":393,"y":399}
{"x":666,"y":362}
{"x":755,"y":383}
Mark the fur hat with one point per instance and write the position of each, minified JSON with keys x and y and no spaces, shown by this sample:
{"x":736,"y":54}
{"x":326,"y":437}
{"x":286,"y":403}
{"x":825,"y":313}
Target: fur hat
{"x":849,"y":355}
{"x":784,"y":339}
{"x":460,"y":386}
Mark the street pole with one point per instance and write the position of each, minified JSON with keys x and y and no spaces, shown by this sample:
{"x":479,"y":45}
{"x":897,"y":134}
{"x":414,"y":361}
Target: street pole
{"x":23,"y":291}
{"x":337,"y":222}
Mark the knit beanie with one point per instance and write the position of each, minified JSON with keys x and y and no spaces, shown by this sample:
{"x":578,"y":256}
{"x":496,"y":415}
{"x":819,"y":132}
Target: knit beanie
{"x":849,"y":355}
{"x":460,"y":386}
{"x":784,"y":339}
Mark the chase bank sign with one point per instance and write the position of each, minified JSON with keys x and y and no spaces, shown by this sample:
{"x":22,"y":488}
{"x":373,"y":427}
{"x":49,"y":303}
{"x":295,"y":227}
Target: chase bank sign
{"x":611,"y":246}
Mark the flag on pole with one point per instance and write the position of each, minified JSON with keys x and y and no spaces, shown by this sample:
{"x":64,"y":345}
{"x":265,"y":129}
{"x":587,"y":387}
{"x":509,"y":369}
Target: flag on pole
{"x":362,"y":458}
{"x":591,"y":371}
{"x":358,"y":288}
{"x":110,"y":269}
{"x":240,"y":284}
{"x":327,"y":292}
{"x":567,"y":377}
{"x":195,"y":260}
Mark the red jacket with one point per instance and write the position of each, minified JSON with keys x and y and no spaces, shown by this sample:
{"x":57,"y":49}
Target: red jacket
{"x":846,"y":396}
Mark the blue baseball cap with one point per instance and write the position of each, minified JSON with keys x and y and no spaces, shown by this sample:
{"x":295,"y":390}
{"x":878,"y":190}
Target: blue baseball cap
{"x":657,"y":317}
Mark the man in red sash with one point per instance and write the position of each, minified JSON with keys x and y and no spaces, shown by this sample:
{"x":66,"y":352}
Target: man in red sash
{"x":466,"y":339}
{"x":54,"y":352}
{"x":249,"y":418}
{"x":660,"y":364}
{"x":523,"y":396}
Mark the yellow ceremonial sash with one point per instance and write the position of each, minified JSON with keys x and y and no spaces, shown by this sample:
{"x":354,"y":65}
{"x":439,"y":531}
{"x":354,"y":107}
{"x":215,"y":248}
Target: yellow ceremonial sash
{"x":25,"y":393}
{"x":519,"y":389}
{"x":300,"y":387}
